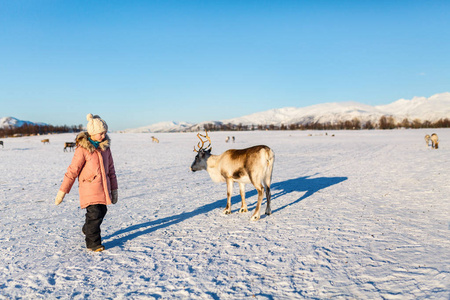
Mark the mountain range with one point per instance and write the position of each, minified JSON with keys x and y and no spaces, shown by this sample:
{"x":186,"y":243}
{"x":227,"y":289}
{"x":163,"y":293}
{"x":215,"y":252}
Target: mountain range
{"x":13,"y":122}
{"x":430,"y":109}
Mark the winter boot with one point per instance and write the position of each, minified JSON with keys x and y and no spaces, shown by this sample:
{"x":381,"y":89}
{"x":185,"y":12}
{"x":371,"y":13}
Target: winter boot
{"x":98,"y":248}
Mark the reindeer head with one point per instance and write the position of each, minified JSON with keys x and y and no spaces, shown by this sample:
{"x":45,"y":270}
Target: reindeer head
{"x":203,"y":153}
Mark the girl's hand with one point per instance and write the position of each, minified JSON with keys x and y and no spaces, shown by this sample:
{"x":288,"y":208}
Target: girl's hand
{"x":115,"y":196}
{"x":59,"y":197}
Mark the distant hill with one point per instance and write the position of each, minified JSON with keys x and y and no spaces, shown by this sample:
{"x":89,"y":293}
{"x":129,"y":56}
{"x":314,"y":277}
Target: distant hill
{"x":423,"y":109}
{"x":6,"y":122}
{"x":163,"y":127}
{"x":10,"y":126}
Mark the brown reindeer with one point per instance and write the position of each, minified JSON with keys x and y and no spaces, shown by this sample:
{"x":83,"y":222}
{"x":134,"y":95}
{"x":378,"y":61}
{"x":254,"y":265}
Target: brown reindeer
{"x":427,"y":139}
{"x":155,"y":140}
{"x":251,"y":165}
{"x":45,"y":141}
{"x":70,"y":145}
{"x":434,"y":141}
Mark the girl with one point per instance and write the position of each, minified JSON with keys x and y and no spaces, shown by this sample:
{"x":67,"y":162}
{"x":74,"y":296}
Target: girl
{"x":93,"y":165}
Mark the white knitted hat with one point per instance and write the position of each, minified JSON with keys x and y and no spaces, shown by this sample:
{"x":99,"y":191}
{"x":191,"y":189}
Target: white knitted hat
{"x":95,"y":124}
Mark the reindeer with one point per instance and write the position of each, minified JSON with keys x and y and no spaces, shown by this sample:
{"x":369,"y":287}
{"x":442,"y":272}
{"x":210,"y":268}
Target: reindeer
{"x":251,"y":165}
{"x":155,"y":140}
{"x":1,"y":143}
{"x":227,"y":139}
{"x":427,"y":139}
{"x":45,"y":141}
{"x":434,"y":141}
{"x":69,"y":145}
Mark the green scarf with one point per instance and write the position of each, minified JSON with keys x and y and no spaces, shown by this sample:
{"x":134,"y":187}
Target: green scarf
{"x":96,"y":144}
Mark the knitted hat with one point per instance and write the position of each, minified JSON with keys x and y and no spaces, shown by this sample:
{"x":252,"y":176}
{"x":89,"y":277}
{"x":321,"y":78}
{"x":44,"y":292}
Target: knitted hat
{"x":95,"y":124}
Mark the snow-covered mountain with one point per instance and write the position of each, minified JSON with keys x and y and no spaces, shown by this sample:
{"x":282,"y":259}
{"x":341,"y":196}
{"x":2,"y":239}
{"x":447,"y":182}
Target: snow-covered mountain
{"x":424,"y":109}
{"x":10,"y":121}
{"x":163,"y":127}
{"x":431,"y":109}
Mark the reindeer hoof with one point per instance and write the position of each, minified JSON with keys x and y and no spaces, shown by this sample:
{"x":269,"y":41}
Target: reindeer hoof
{"x":227,"y":211}
{"x":254,"y":218}
{"x":243,"y":210}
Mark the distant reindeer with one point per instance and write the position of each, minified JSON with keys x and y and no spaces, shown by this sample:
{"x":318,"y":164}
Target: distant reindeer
{"x":69,"y":145}
{"x":1,"y":143}
{"x":234,"y":139}
{"x":45,"y":141}
{"x":227,"y":139}
{"x":155,"y":140}
{"x":434,"y":141}
{"x":427,"y":139}
{"x":251,"y":165}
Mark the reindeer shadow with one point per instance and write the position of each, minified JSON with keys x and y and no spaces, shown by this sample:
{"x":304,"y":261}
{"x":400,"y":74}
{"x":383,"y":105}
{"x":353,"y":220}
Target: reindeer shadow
{"x":301,"y":184}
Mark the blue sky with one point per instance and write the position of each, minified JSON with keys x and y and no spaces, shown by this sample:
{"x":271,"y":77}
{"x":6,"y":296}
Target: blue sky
{"x":136,"y":63}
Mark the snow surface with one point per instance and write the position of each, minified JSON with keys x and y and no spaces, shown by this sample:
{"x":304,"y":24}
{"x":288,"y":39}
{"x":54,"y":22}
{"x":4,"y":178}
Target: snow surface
{"x":361,"y":215}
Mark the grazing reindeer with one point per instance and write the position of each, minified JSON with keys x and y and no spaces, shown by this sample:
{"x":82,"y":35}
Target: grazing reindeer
{"x":251,"y":165}
{"x":434,"y":141}
{"x":427,"y":139}
{"x":45,"y":141}
{"x":227,"y":139}
{"x":69,"y":145}
{"x":155,"y":140}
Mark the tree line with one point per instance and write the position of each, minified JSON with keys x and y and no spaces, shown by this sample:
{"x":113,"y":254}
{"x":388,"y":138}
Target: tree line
{"x":385,"y":122}
{"x":35,"y":129}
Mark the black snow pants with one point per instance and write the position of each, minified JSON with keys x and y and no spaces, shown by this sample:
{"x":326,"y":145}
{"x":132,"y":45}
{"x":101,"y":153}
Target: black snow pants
{"x":94,"y":218}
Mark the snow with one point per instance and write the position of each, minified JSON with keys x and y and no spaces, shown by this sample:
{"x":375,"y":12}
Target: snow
{"x":361,"y":215}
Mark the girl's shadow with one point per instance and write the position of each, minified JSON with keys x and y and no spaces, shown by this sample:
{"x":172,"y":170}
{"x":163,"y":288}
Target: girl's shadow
{"x":301,"y":184}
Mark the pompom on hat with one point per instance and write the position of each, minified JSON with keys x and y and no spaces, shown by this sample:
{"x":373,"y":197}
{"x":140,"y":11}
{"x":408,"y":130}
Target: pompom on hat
{"x":95,"y":124}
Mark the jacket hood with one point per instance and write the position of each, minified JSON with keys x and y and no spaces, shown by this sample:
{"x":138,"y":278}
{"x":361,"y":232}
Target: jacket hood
{"x":82,"y":141}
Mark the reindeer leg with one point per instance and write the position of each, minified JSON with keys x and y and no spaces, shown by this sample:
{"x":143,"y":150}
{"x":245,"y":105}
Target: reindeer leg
{"x":243,"y":204}
{"x":227,"y":209}
{"x":256,"y":214}
{"x":268,"y":209}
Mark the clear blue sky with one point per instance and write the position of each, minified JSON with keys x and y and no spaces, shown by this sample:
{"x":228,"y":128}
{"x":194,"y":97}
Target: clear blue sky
{"x":136,"y":63}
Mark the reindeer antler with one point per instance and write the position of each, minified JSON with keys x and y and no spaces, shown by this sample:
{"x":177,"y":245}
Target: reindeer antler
{"x":200,"y":147}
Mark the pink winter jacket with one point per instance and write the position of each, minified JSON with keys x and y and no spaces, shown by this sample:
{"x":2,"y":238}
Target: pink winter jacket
{"x":95,"y":171}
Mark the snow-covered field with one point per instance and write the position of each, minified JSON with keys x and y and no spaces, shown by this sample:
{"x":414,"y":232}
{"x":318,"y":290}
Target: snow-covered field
{"x":361,"y":215}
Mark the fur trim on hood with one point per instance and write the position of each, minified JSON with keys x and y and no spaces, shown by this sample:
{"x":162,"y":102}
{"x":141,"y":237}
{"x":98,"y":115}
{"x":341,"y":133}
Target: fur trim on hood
{"x":82,"y":141}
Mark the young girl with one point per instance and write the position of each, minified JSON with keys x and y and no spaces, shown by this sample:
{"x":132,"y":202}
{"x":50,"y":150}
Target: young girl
{"x":93,"y":165}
